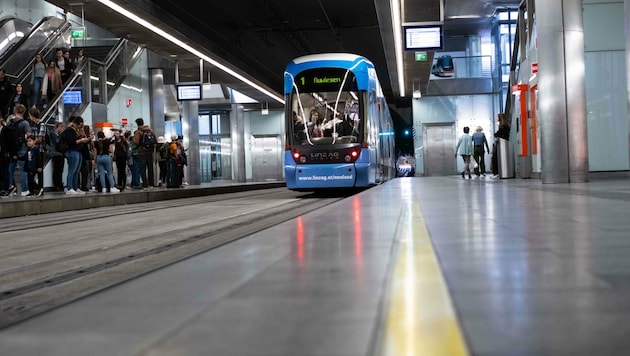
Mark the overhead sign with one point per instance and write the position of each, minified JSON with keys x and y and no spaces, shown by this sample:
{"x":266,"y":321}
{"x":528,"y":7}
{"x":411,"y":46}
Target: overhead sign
{"x":421,"y":56}
{"x":77,"y":33}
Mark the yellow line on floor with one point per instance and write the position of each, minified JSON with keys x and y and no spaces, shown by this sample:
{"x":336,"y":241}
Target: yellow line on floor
{"x":420,"y":319}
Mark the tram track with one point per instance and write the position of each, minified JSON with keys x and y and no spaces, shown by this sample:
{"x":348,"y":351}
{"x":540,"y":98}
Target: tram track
{"x":32,"y":288}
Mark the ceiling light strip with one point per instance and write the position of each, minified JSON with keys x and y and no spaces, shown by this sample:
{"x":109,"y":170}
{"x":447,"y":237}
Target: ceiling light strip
{"x":396,"y":29}
{"x":188,"y":48}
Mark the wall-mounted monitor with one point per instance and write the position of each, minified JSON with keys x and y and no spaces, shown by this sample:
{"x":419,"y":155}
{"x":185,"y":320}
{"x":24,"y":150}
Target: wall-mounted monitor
{"x":425,"y":37}
{"x":72,"y":97}
{"x":189,"y":92}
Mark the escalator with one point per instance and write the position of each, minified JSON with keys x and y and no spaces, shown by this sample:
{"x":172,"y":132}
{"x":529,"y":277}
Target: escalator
{"x":44,"y":37}
{"x":12,"y":32}
{"x":93,"y":83}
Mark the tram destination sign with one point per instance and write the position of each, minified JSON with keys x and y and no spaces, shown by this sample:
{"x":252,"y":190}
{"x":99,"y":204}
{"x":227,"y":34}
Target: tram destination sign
{"x":323,"y":80}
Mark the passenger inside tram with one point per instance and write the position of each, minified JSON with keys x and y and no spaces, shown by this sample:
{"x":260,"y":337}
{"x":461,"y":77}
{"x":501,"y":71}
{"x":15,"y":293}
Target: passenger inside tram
{"x":321,"y":125}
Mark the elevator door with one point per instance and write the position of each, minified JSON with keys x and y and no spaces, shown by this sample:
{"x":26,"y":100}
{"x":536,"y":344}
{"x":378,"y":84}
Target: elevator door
{"x":439,"y":150}
{"x":266,"y":159}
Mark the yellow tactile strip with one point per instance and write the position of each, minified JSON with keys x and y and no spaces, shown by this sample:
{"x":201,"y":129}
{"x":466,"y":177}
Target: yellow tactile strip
{"x":419,"y":315}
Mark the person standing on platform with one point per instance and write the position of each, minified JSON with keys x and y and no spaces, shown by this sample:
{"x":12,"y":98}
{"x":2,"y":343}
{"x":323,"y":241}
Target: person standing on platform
{"x":160,"y":148}
{"x":58,"y":159}
{"x":77,"y":140}
{"x":121,"y":156}
{"x":479,"y":141}
{"x":173,"y":178}
{"x":38,"y":131}
{"x":133,"y":162}
{"x":33,"y":166}
{"x":145,"y":152}
{"x":23,"y":131}
{"x":502,"y":132}
{"x":465,"y":149}
{"x":5,"y":158}
{"x":103,"y":150}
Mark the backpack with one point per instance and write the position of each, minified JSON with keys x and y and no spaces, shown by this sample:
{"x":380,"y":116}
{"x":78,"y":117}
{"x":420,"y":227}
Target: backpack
{"x":18,"y":138}
{"x":165,"y":151}
{"x":62,"y":145}
{"x":147,"y":141}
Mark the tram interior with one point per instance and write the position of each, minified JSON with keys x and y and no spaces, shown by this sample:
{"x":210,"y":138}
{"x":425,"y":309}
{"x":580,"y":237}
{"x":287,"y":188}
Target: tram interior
{"x":326,"y":118}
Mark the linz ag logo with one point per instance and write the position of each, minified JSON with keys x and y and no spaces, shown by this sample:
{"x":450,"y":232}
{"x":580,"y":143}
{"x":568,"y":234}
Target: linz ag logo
{"x":324,"y":156}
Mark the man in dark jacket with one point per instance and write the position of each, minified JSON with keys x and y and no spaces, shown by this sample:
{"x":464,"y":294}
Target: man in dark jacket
{"x":57,"y":158}
{"x":145,"y":154}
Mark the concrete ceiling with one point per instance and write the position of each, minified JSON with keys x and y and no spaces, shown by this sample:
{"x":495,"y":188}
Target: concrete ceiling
{"x":257,"y":38}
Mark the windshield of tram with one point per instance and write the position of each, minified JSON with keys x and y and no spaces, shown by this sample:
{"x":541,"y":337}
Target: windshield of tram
{"x":325,"y":108}
{"x":317,"y":118}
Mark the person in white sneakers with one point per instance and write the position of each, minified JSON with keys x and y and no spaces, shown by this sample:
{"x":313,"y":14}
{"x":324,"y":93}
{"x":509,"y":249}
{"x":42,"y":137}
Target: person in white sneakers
{"x":103,"y":152}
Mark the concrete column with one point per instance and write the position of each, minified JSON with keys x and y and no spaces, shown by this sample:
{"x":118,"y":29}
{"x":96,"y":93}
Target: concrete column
{"x":157,"y":96}
{"x":237,"y":124}
{"x":562,"y":95}
{"x":190,"y":130}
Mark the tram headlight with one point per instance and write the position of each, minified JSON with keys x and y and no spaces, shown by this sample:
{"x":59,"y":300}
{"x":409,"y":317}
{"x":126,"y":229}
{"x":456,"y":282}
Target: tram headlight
{"x":347,"y":158}
{"x":302,"y":159}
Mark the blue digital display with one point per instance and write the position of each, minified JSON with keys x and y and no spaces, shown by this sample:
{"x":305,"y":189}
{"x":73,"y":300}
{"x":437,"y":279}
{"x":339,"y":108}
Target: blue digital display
{"x":72,"y":97}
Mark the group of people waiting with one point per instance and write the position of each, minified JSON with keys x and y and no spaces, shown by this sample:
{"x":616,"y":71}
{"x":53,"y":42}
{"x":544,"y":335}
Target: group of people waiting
{"x":26,"y":143}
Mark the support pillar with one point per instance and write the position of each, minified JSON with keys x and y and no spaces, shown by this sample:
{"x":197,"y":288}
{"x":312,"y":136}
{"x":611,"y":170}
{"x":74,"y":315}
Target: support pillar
{"x":237,"y":123}
{"x":190,"y":130}
{"x":562,"y":93}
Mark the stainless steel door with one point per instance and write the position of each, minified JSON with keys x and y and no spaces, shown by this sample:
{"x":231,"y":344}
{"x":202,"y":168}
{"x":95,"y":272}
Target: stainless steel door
{"x":439,"y":149}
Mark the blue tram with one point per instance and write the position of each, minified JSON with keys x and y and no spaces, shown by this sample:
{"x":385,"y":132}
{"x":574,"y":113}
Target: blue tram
{"x":339,"y":131}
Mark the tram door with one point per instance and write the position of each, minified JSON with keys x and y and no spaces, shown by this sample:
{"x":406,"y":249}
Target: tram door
{"x":266,"y":158}
{"x":439,"y":149}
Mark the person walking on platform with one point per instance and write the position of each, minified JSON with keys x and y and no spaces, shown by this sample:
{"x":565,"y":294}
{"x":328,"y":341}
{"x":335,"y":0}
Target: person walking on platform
{"x":465,"y":149}
{"x":479,"y":141}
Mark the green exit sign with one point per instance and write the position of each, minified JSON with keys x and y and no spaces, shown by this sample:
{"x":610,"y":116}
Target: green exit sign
{"x":77,"y":33}
{"x":421,"y":56}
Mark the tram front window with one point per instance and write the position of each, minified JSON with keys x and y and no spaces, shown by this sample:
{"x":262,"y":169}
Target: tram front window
{"x":319,"y":119}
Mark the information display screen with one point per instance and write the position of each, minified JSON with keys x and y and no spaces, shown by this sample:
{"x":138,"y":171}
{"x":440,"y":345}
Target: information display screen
{"x":424,"y":37}
{"x":72,"y":97}
{"x":189,"y":92}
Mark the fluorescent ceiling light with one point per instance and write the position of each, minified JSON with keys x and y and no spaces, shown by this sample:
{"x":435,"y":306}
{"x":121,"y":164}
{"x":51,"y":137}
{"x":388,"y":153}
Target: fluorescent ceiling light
{"x":396,"y":28}
{"x":188,"y":48}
